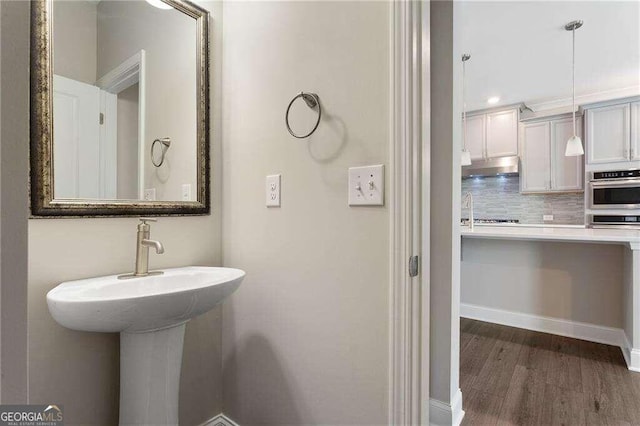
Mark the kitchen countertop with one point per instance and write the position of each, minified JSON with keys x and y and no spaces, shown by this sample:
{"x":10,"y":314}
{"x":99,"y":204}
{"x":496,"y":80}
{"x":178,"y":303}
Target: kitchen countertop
{"x":569,"y":233}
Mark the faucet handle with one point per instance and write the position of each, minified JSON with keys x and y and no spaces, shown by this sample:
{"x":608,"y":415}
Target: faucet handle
{"x":144,"y":220}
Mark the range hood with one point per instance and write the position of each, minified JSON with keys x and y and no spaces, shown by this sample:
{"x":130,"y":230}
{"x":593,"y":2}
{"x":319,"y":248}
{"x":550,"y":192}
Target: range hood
{"x":492,"y":167}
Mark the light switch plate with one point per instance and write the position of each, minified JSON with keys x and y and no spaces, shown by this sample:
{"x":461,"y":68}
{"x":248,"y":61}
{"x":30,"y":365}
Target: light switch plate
{"x":273,"y":191}
{"x":186,"y":192}
{"x":366,"y":186}
{"x":150,"y":194}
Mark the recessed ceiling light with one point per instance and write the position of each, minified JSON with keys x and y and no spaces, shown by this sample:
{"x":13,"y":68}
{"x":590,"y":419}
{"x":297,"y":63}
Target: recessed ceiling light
{"x":492,"y":100}
{"x":159,"y":4}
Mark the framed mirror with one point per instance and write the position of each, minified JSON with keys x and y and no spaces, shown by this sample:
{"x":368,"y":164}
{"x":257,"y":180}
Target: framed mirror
{"x":119,"y":108}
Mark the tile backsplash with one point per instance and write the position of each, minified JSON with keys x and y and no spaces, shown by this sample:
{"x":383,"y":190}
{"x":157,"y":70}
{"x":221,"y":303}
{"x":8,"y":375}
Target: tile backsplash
{"x":500,"y":198}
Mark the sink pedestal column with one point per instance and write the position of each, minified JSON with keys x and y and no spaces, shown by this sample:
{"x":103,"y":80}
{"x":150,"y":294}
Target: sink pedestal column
{"x":150,"y":376}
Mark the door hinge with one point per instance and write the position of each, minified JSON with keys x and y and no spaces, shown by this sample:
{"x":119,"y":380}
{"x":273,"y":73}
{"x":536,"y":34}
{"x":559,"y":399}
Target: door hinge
{"x":101,"y":118}
{"x":413,"y":266}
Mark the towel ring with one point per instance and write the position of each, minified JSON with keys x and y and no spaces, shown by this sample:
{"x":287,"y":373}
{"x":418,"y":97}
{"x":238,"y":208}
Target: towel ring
{"x":312,"y":100}
{"x":165,"y":144}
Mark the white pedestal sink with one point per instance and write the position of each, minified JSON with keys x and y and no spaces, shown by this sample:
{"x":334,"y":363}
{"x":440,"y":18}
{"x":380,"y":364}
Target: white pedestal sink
{"x":150,"y":314}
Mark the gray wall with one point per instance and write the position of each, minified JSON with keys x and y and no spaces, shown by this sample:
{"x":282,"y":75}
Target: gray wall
{"x":75,"y":38}
{"x":500,"y":198}
{"x":305,"y":337}
{"x":14,"y":169}
{"x":578,"y":282}
{"x":80,"y":370}
{"x":128,"y":101}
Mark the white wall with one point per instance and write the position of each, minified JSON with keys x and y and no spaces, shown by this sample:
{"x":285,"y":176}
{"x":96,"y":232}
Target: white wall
{"x":521,"y":52}
{"x":80,"y":370}
{"x":169,"y":39}
{"x":577,"y":282}
{"x":305,"y":337}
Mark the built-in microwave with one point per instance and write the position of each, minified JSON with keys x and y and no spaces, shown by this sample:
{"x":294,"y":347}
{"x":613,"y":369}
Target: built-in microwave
{"x":613,"y":190}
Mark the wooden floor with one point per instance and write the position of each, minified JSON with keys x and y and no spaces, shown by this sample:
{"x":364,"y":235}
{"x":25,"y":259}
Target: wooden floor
{"x":511,"y":376}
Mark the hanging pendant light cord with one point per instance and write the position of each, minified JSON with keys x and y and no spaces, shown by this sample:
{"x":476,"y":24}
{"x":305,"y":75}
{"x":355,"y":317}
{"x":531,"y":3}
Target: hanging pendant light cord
{"x":573,"y":78}
{"x":464,"y":109}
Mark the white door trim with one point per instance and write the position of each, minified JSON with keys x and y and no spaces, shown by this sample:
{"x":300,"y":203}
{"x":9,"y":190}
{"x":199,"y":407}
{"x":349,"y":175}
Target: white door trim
{"x":409,"y":202}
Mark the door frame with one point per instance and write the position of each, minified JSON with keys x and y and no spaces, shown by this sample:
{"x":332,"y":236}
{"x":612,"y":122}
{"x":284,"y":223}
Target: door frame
{"x":409,"y":206}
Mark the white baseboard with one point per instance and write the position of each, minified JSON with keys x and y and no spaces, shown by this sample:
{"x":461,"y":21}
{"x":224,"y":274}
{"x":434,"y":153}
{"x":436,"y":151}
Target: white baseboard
{"x":631,"y":356}
{"x":219,"y":420}
{"x":578,"y":330}
{"x":443,"y":414}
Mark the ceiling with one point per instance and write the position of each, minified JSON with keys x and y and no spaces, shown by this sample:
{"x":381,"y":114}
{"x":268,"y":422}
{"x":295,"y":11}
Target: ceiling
{"x":521,"y":52}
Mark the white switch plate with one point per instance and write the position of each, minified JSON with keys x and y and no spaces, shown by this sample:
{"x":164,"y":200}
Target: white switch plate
{"x":186,"y":192}
{"x":273,"y":190}
{"x":150,"y":194}
{"x":547,"y":217}
{"x":366,"y":186}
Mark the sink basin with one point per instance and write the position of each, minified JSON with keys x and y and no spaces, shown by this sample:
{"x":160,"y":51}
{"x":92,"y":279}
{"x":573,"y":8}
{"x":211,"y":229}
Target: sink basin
{"x":108,"y":304}
{"x":150,"y":313}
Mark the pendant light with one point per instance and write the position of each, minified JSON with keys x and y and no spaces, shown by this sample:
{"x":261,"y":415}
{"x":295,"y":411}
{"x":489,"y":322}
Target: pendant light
{"x":465,"y":159}
{"x":574,"y":144}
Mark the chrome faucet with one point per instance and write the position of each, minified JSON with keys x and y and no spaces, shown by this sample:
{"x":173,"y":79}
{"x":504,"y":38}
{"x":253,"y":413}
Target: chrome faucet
{"x":142,"y":250}
{"x":467,"y":203}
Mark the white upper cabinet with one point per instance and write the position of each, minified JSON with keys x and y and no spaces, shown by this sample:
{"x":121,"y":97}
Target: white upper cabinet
{"x":609,"y":134}
{"x":544,"y":165}
{"x":502,"y":134}
{"x":476,"y":136}
{"x":635,"y":130}
{"x":535,"y":175}
{"x":492,"y":135}
{"x":566,"y":172}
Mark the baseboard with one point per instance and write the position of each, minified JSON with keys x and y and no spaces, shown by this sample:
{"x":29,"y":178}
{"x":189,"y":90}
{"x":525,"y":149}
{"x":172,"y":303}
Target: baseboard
{"x":219,"y":420}
{"x":631,"y":356}
{"x":578,"y":330}
{"x":443,"y":414}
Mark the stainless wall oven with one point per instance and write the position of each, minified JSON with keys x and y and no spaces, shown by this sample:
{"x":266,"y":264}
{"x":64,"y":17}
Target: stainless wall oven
{"x":615,"y":190}
{"x":614,"y":199}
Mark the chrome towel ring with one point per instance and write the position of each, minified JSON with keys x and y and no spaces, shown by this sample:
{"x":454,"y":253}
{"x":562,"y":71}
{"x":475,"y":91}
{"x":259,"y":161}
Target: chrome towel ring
{"x":312,"y":100}
{"x":165,"y":144}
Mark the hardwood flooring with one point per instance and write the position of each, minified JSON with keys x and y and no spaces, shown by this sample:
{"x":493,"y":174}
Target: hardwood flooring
{"x":511,"y":376}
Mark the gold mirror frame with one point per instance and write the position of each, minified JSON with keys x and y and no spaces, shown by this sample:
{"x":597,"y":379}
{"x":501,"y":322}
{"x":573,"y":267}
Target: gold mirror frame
{"x":41,"y":129}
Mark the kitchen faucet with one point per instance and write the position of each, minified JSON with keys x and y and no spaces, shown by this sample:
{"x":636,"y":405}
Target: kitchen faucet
{"x":467,"y":203}
{"x":142,"y":250}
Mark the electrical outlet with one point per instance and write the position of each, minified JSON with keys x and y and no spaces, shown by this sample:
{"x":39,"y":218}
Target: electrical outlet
{"x":150,"y":194}
{"x":366,"y":186}
{"x":186,"y":192}
{"x":273,"y":191}
{"x":547,"y":218}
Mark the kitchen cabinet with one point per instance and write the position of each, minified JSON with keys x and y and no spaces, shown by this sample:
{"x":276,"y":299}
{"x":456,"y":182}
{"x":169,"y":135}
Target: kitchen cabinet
{"x":609,"y":134}
{"x":635,"y":131}
{"x":536,"y":157}
{"x":492,"y":134}
{"x":475,"y":136}
{"x":567,"y":172}
{"x":544,"y":165}
{"x":502,"y":134}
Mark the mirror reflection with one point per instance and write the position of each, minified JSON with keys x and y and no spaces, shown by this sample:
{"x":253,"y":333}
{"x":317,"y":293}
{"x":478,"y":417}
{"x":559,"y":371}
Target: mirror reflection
{"x":125,"y":101}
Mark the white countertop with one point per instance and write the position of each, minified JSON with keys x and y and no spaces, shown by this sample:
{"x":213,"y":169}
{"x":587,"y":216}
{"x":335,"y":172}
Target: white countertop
{"x":570,"y":233}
